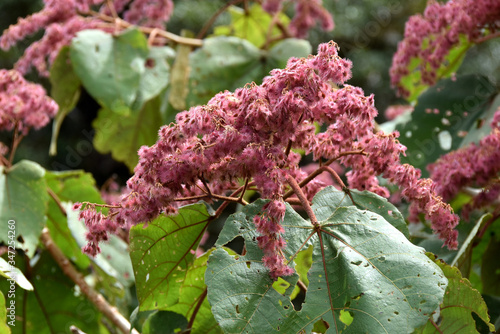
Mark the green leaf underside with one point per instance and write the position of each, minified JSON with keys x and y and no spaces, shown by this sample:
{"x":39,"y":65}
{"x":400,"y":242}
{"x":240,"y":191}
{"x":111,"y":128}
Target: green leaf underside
{"x":23,"y":199}
{"x":110,"y":67}
{"x":227,"y":63}
{"x":460,"y":301}
{"x":11,"y":272}
{"x":413,"y":80}
{"x":361,"y":265}
{"x":53,"y":306}
{"x":162,"y":251}
{"x":460,"y":103}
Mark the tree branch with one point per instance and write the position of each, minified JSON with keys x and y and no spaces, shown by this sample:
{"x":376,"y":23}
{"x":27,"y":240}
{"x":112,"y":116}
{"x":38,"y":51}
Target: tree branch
{"x":97,"y":299}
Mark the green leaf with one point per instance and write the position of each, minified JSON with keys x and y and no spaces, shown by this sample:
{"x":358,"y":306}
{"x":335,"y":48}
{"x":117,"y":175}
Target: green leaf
{"x":110,"y":67}
{"x":174,"y":239}
{"x":459,"y":104}
{"x":226,"y":63}
{"x":11,"y":272}
{"x":192,"y":291}
{"x":490,"y":268}
{"x":123,"y":135}
{"x":460,"y":301}
{"x":65,"y":90}
{"x":413,"y":80}
{"x":23,"y":201}
{"x":156,"y":75}
{"x":69,"y":186}
{"x":54,"y":304}
{"x":361,"y":265}
{"x":164,"y":322}
{"x":252,"y":26}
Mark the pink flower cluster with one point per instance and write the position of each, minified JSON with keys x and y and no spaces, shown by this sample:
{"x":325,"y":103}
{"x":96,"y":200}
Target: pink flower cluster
{"x":62,"y":19}
{"x":429,"y":37}
{"x":23,"y":105}
{"x":307,"y":13}
{"x":248,"y":135}
{"x":476,"y":165}
{"x":394,"y":111}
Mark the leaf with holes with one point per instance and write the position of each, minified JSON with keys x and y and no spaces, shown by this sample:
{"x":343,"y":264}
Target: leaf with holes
{"x":162,"y":251}
{"x":459,"y":302}
{"x":443,"y":116}
{"x":365,"y":275}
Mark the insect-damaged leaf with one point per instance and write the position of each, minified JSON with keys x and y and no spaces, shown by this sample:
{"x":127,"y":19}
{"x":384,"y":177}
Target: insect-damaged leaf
{"x":362,"y":266}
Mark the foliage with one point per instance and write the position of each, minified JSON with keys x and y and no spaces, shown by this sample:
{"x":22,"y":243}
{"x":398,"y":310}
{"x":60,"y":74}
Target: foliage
{"x":274,"y":203}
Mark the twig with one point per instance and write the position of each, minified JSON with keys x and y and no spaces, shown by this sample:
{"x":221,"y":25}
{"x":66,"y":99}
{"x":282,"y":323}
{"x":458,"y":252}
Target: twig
{"x":58,"y":201}
{"x":302,"y":286}
{"x":435,"y":326}
{"x":196,"y":309}
{"x":76,"y":330}
{"x":97,"y":299}
{"x":15,"y":142}
{"x":147,"y":30}
{"x":303,"y":199}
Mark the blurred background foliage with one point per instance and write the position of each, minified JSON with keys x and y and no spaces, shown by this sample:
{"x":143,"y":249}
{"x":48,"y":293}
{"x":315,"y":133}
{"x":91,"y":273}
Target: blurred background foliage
{"x":366,"y":31}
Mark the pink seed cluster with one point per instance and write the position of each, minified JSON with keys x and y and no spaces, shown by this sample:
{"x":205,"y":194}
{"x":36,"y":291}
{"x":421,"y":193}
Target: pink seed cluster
{"x":62,"y":19}
{"x":430,"y":37}
{"x":307,"y":13}
{"x":23,"y":105}
{"x":247,"y":135}
{"x":476,"y":165}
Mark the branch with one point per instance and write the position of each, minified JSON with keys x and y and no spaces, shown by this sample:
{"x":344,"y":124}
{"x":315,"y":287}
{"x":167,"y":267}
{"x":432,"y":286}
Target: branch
{"x":303,"y":199}
{"x":97,"y":299}
{"x":196,"y":309}
{"x":147,"y":30}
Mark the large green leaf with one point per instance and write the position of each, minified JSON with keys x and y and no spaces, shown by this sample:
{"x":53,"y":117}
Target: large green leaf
{"x":192,"y":292}
{"x":252,"y":25}
{"x":110,"y":67}
{"x":365,"y":275}
{"x":23,"y":203}
{"x":459,"y":303}
{"x":69,"y":186}
{"x":123,"y":134}
{"x":54,"y":304}
{"x":164,"y":322}
{"x":413,"y":80}
{"x":444,"y":114}
{"x":65,"y":90}
{"x":226,"y":63}
{"x":162,"y":251}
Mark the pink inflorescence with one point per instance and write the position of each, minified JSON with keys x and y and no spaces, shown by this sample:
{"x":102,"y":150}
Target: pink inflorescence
{"x":62,"y":19}
{"x":476,"y":165}
{"x":247,"y":135}
{"x":23,"y":105}
{"x":429,"y":37}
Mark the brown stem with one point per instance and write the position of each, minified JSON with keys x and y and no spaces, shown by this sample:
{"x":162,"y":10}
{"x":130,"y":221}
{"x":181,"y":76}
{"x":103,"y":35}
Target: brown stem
{"x":58,"y":201}
{"x":147,"y":30}
{"x":15,"y":142}
{"x":214,"y":17}
{"x":196,"y":309}
{"x":303,"y":200}
{"x":293,"y":201}
{"x":311,"y":176}
{"x":244,"y":189}
{"x":302,"y":286}
{"x":97,"y":299}
{"x":435,"y":326}
{"x":487,"y":38}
